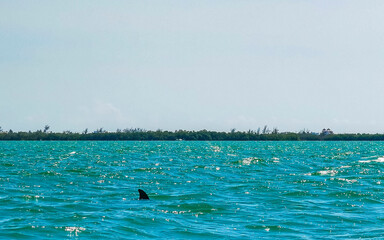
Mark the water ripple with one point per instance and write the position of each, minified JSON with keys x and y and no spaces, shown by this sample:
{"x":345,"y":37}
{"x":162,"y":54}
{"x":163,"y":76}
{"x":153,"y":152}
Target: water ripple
{"x":273,"y":190}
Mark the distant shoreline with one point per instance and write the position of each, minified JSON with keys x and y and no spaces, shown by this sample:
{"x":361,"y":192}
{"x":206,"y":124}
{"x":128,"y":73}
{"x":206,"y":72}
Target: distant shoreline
{"x":182,"y":135}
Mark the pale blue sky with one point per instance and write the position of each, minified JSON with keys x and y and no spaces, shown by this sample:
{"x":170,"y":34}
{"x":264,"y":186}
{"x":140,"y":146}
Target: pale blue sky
{"x":192,"y":65}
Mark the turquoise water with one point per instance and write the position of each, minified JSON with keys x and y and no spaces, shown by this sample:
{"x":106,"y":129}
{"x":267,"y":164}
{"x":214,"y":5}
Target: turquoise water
{"x":198,"y":190}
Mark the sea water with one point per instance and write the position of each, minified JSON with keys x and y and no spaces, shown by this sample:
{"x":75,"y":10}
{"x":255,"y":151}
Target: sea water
{"x":197,"y":190}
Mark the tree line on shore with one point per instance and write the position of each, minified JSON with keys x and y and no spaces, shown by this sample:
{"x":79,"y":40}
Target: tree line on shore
{"x":138,"y":134}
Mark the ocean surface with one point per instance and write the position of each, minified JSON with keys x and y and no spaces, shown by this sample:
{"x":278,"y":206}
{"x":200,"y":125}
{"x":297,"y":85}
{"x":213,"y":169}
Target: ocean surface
{"x":197,"y":190}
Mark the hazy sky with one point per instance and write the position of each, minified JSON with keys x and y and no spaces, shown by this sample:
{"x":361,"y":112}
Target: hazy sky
{"x":213,"y":64}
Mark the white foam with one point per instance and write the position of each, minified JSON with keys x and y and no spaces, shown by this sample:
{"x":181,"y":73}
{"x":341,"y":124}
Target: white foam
{"x":345,"y":167}
{"x":347,"y":180}
{"x":328,"y":172}
{"x":380,"y":159}
{"x":216,"y":148}
{"x":75,"y":230}
{"x":248,"y":161}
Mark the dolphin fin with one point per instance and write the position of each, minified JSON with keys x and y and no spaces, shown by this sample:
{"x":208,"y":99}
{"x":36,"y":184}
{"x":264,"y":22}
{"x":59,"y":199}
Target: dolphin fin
{"x":143,"y":195}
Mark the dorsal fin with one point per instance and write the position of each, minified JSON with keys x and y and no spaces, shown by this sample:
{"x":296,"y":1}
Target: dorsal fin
{"x":143,"y":195}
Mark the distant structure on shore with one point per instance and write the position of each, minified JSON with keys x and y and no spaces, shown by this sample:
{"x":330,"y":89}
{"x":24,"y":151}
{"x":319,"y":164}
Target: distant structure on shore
{"x":326,"y":132}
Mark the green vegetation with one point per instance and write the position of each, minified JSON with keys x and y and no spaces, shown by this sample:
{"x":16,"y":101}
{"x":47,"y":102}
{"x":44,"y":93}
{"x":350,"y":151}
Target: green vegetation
{"x":202,"y":135}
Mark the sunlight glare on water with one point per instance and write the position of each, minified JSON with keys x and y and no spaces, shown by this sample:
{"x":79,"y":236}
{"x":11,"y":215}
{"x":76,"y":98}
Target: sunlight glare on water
{"x":86,"y":190}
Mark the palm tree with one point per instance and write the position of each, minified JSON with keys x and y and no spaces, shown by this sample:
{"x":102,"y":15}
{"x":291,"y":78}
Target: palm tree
{"x":46,"y":128}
